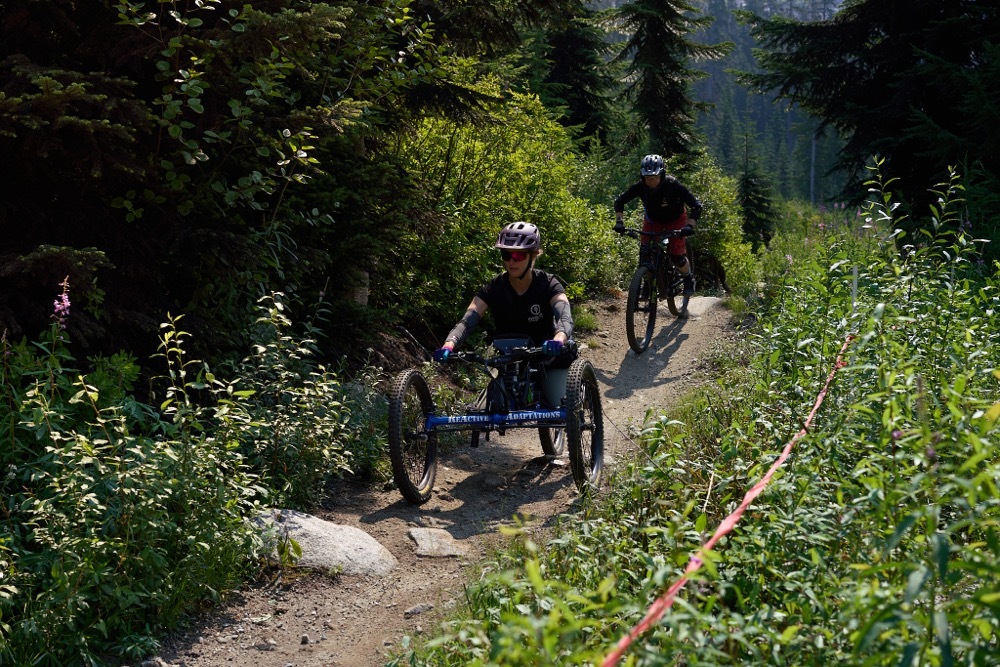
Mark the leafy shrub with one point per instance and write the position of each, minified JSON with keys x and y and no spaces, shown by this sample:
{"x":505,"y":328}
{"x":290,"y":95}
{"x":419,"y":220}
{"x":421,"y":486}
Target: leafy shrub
{"x":877,"y":544}
{"x":120,"y":517}
{"x":295,"y":427}
{"x":115,"y":520}
{"x":479,"y":178}
{"x":720,"y":227}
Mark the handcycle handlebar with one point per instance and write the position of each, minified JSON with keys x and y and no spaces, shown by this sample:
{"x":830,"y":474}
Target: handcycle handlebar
{"x":515,"y":354}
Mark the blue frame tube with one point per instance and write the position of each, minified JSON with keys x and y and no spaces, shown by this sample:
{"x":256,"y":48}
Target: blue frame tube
{"x":509,"y":420}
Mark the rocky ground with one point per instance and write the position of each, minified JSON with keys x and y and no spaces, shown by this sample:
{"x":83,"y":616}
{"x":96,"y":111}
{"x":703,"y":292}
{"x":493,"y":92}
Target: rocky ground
{"x":313,"y":619}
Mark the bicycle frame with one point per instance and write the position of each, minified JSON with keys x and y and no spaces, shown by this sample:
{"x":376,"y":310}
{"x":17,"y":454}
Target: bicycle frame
{"x":506,"y":364}
{"x":495,"y":421}
{"x":659,"y":261}
{"x":655,"y":278}
{"x":513,"y":399}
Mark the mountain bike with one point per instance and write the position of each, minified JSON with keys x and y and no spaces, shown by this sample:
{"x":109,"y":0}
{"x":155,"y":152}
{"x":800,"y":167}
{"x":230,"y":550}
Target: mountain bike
{"x":511,"y":399}
{"x":654,"y":278}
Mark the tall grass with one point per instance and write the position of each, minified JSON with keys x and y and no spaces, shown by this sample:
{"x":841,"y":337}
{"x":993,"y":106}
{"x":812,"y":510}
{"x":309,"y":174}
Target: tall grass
{"x":876,"y":544}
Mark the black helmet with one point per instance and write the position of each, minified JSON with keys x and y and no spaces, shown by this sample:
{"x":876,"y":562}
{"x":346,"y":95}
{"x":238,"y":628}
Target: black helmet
{"x":652,"y":165}
{"x":519,"y":236}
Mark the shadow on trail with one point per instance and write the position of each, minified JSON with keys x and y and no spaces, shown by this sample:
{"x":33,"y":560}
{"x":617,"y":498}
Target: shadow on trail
{"x":477,"y":489}
{"x":665,"y":343}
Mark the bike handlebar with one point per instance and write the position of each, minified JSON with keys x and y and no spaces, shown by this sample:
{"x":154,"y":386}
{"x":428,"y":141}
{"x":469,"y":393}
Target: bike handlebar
{"x":667,"y":234}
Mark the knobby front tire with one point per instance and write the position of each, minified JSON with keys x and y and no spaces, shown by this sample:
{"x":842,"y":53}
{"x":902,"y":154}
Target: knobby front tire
{"x":640,"y":310}
{"x":584,"y":425}
{"x":412,"y":449}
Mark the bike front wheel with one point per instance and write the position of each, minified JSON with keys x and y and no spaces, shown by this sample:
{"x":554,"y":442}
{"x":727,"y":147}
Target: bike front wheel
{"x":640,"y":310}
{"x":412,"y":448}
{"x":584,"y":425}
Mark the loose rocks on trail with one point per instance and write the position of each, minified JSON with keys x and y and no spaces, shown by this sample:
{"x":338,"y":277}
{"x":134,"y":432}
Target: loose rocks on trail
{"x":310,"y":618}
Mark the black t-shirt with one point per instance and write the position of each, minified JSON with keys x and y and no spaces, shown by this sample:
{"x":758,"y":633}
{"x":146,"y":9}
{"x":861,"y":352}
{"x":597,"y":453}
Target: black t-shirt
{"x":528,"y":314}
{"x":664,"y":203}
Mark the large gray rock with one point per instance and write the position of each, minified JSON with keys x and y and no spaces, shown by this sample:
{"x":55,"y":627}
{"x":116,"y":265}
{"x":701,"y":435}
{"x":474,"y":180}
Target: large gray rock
{"x":326,"y":545}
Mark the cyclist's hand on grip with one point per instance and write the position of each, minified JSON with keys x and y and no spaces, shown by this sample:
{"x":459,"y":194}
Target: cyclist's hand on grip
{"x":687,"y":230}
{"x":552,"y":348}
{"x":441,"y":354}
{"x":619,"y":226}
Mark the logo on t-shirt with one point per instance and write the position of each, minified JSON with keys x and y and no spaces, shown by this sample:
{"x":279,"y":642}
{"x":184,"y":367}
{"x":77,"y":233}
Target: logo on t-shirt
{"x":536,"y":313}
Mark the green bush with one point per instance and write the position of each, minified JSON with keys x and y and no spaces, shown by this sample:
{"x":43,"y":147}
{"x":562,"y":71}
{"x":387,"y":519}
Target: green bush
{"x":479,"y":178}
{"x":298,"y":424}
{"x":876,"y":544}
{"x":118,"y":518}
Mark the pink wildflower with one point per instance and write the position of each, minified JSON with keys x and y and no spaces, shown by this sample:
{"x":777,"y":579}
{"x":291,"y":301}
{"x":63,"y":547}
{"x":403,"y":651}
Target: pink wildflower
{"x":62,"y":304}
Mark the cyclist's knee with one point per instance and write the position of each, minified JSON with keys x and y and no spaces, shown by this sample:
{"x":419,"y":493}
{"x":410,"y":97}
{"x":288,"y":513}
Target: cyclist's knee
{"x":680,"y":261}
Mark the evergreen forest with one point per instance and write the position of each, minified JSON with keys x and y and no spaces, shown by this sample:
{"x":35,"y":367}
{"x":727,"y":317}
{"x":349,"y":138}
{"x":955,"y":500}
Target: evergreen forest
{"x":214,"y":213}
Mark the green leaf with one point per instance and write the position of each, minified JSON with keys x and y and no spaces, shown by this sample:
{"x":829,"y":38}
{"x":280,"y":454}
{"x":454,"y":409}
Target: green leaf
{"x":908,"y":521}
{"x":942,"y":551}
{"x":915,"y":583}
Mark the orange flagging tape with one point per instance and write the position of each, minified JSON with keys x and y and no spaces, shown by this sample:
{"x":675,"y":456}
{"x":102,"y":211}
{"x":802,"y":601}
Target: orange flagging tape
{"x":660,"y":606}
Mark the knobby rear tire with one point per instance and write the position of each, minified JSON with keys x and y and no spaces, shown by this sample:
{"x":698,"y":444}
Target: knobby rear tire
{"x":640,"y":309}
{"x":412,"y":449}
{"x":677,"y":302}
{"x":584,"y":425}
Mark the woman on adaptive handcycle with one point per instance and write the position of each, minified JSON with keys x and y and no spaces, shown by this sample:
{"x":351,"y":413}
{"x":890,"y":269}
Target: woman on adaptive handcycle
{"x":668,"y":205}
{"x":525,"y":301}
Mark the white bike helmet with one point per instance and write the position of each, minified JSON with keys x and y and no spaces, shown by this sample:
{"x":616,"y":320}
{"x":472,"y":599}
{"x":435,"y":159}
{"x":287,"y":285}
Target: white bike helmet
{"x":652,"y":165}
{"x":519,"y":236}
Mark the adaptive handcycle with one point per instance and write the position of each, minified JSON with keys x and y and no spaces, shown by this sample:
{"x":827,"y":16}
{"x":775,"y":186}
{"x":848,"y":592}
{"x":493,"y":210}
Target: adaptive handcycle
{"x":654,"y":278}
{"x":512,"y":398}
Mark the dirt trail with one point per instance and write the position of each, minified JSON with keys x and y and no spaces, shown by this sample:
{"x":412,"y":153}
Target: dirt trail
{"x":312,"y":620}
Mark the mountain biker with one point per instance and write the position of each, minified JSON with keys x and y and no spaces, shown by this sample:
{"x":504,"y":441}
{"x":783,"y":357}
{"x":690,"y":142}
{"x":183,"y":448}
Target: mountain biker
{"x":668,"y":205}
{"x":525,"y":301}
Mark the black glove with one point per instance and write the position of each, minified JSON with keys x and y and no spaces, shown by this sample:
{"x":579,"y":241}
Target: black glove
{"x":687,"y":230}
{"x":619,"y":227}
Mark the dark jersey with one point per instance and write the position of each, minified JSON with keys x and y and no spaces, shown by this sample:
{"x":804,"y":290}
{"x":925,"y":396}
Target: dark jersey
{"x":528,"y":314}
{"x":664,"y":203}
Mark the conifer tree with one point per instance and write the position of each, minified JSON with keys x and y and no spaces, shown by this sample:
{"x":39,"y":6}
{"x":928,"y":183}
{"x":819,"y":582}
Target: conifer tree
{"x":660,"y":54}
{"x":756,"y":198}
{"x":914,"y":82}
{"x":578,"y":78}
{"x":488,"y":27}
